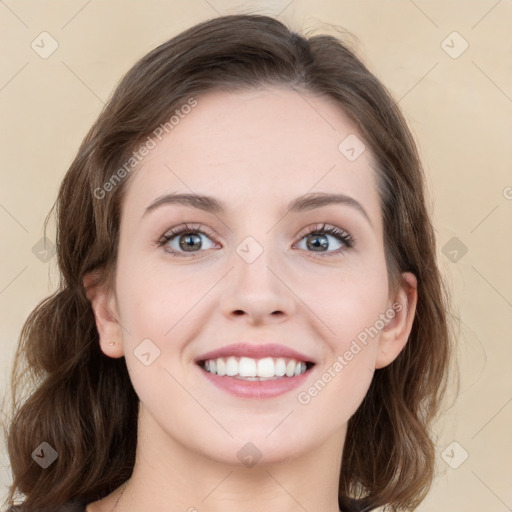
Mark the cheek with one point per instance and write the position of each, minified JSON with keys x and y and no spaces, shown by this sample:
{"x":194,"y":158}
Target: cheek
{"x":350,"y":307}
{"x":151,"y":310}
{"x":152,"y":299}
{"x":346,"y":301}
{"x":336,"y":394}
{"x":160,"y":311}
{"x":343,"y":378}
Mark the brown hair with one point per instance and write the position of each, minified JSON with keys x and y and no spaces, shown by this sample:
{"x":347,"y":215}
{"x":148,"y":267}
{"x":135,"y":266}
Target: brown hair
{"x":83,"y":404}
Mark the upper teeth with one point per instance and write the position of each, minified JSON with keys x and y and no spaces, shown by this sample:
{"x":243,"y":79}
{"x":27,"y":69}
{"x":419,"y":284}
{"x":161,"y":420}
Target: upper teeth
{"x":248,"y":367}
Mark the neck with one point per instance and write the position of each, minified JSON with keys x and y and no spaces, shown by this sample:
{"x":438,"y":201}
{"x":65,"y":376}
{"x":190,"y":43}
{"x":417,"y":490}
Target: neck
{"x":169,"y":476}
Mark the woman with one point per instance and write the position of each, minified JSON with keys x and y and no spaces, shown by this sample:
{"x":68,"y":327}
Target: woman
{"x":250,"y":314}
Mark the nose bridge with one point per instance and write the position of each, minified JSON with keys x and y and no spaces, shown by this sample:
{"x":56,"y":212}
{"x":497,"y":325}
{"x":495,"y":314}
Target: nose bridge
{"x":255,"y":265}
{"x":255,"y":286}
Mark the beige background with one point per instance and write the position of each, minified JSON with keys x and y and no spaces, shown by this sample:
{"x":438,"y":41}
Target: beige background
{"x":460,"y":110}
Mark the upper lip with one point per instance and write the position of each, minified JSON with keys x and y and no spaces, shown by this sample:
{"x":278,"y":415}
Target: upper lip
{"x":255,"y":351}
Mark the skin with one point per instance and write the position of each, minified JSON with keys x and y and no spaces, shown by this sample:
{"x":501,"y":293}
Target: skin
{"x":255,"y":151}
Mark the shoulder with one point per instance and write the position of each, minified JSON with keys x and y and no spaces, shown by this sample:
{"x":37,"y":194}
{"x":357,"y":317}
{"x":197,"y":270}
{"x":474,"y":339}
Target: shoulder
{"x":69,"y":506}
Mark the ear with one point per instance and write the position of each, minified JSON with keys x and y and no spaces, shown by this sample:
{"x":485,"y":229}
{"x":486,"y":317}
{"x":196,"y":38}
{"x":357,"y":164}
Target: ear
{"x":104,"y":306}
{"x":396,"y":332}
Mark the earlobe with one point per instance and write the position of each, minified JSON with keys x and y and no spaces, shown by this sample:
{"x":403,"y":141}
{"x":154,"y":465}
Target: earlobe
{"x":104,"y":307}
{"x":396,"y":332}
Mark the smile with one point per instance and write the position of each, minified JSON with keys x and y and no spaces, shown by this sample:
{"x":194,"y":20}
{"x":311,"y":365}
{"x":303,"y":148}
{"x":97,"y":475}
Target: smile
{"x":246,"y":377}
{"x":247,"y":368}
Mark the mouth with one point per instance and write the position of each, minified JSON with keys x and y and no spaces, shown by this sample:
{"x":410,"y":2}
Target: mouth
{"x":256,"y":379}
{"x":256,"y":370}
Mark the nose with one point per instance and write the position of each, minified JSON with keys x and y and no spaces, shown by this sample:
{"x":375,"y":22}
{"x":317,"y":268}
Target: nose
{"x":259,"y":292}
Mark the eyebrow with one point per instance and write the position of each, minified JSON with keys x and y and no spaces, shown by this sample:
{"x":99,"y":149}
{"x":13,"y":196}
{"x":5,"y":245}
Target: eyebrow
{"x":300,"y":204}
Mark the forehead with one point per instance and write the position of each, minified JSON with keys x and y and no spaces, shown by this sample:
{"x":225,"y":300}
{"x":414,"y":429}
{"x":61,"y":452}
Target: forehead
{"x":274,"y":143}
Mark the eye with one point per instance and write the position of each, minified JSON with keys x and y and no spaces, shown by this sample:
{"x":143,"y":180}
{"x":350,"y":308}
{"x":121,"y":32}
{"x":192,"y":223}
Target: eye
{"x":188,"y":239}
{"x":317,"y":239}
{"x":183,"y":239}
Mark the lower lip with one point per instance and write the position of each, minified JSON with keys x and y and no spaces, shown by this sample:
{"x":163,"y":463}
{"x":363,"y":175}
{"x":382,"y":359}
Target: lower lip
{"x":256,"y":389}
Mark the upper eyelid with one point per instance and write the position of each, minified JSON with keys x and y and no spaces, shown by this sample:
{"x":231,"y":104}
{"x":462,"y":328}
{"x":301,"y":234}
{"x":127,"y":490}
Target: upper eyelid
{"x":186,"y":227}
{"x":321,"y":227}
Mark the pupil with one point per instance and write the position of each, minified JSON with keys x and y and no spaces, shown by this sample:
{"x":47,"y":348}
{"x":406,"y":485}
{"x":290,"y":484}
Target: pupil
{"x":187,"y":241}
{"x":322,"y":244}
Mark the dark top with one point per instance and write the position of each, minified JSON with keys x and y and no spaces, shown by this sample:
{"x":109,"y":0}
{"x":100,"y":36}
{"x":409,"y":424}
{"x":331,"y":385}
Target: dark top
{"x":79,"y":506}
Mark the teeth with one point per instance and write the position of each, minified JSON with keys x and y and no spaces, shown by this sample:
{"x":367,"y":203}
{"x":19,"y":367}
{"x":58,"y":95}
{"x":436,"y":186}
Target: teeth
{"x":247,"y":368}
{"x":231,"y":367}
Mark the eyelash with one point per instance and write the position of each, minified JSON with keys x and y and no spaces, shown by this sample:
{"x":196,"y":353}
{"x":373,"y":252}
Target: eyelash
{"x":320,"y":229}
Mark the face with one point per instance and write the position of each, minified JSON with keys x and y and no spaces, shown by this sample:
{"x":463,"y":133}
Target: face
{"x":281,"y":278}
